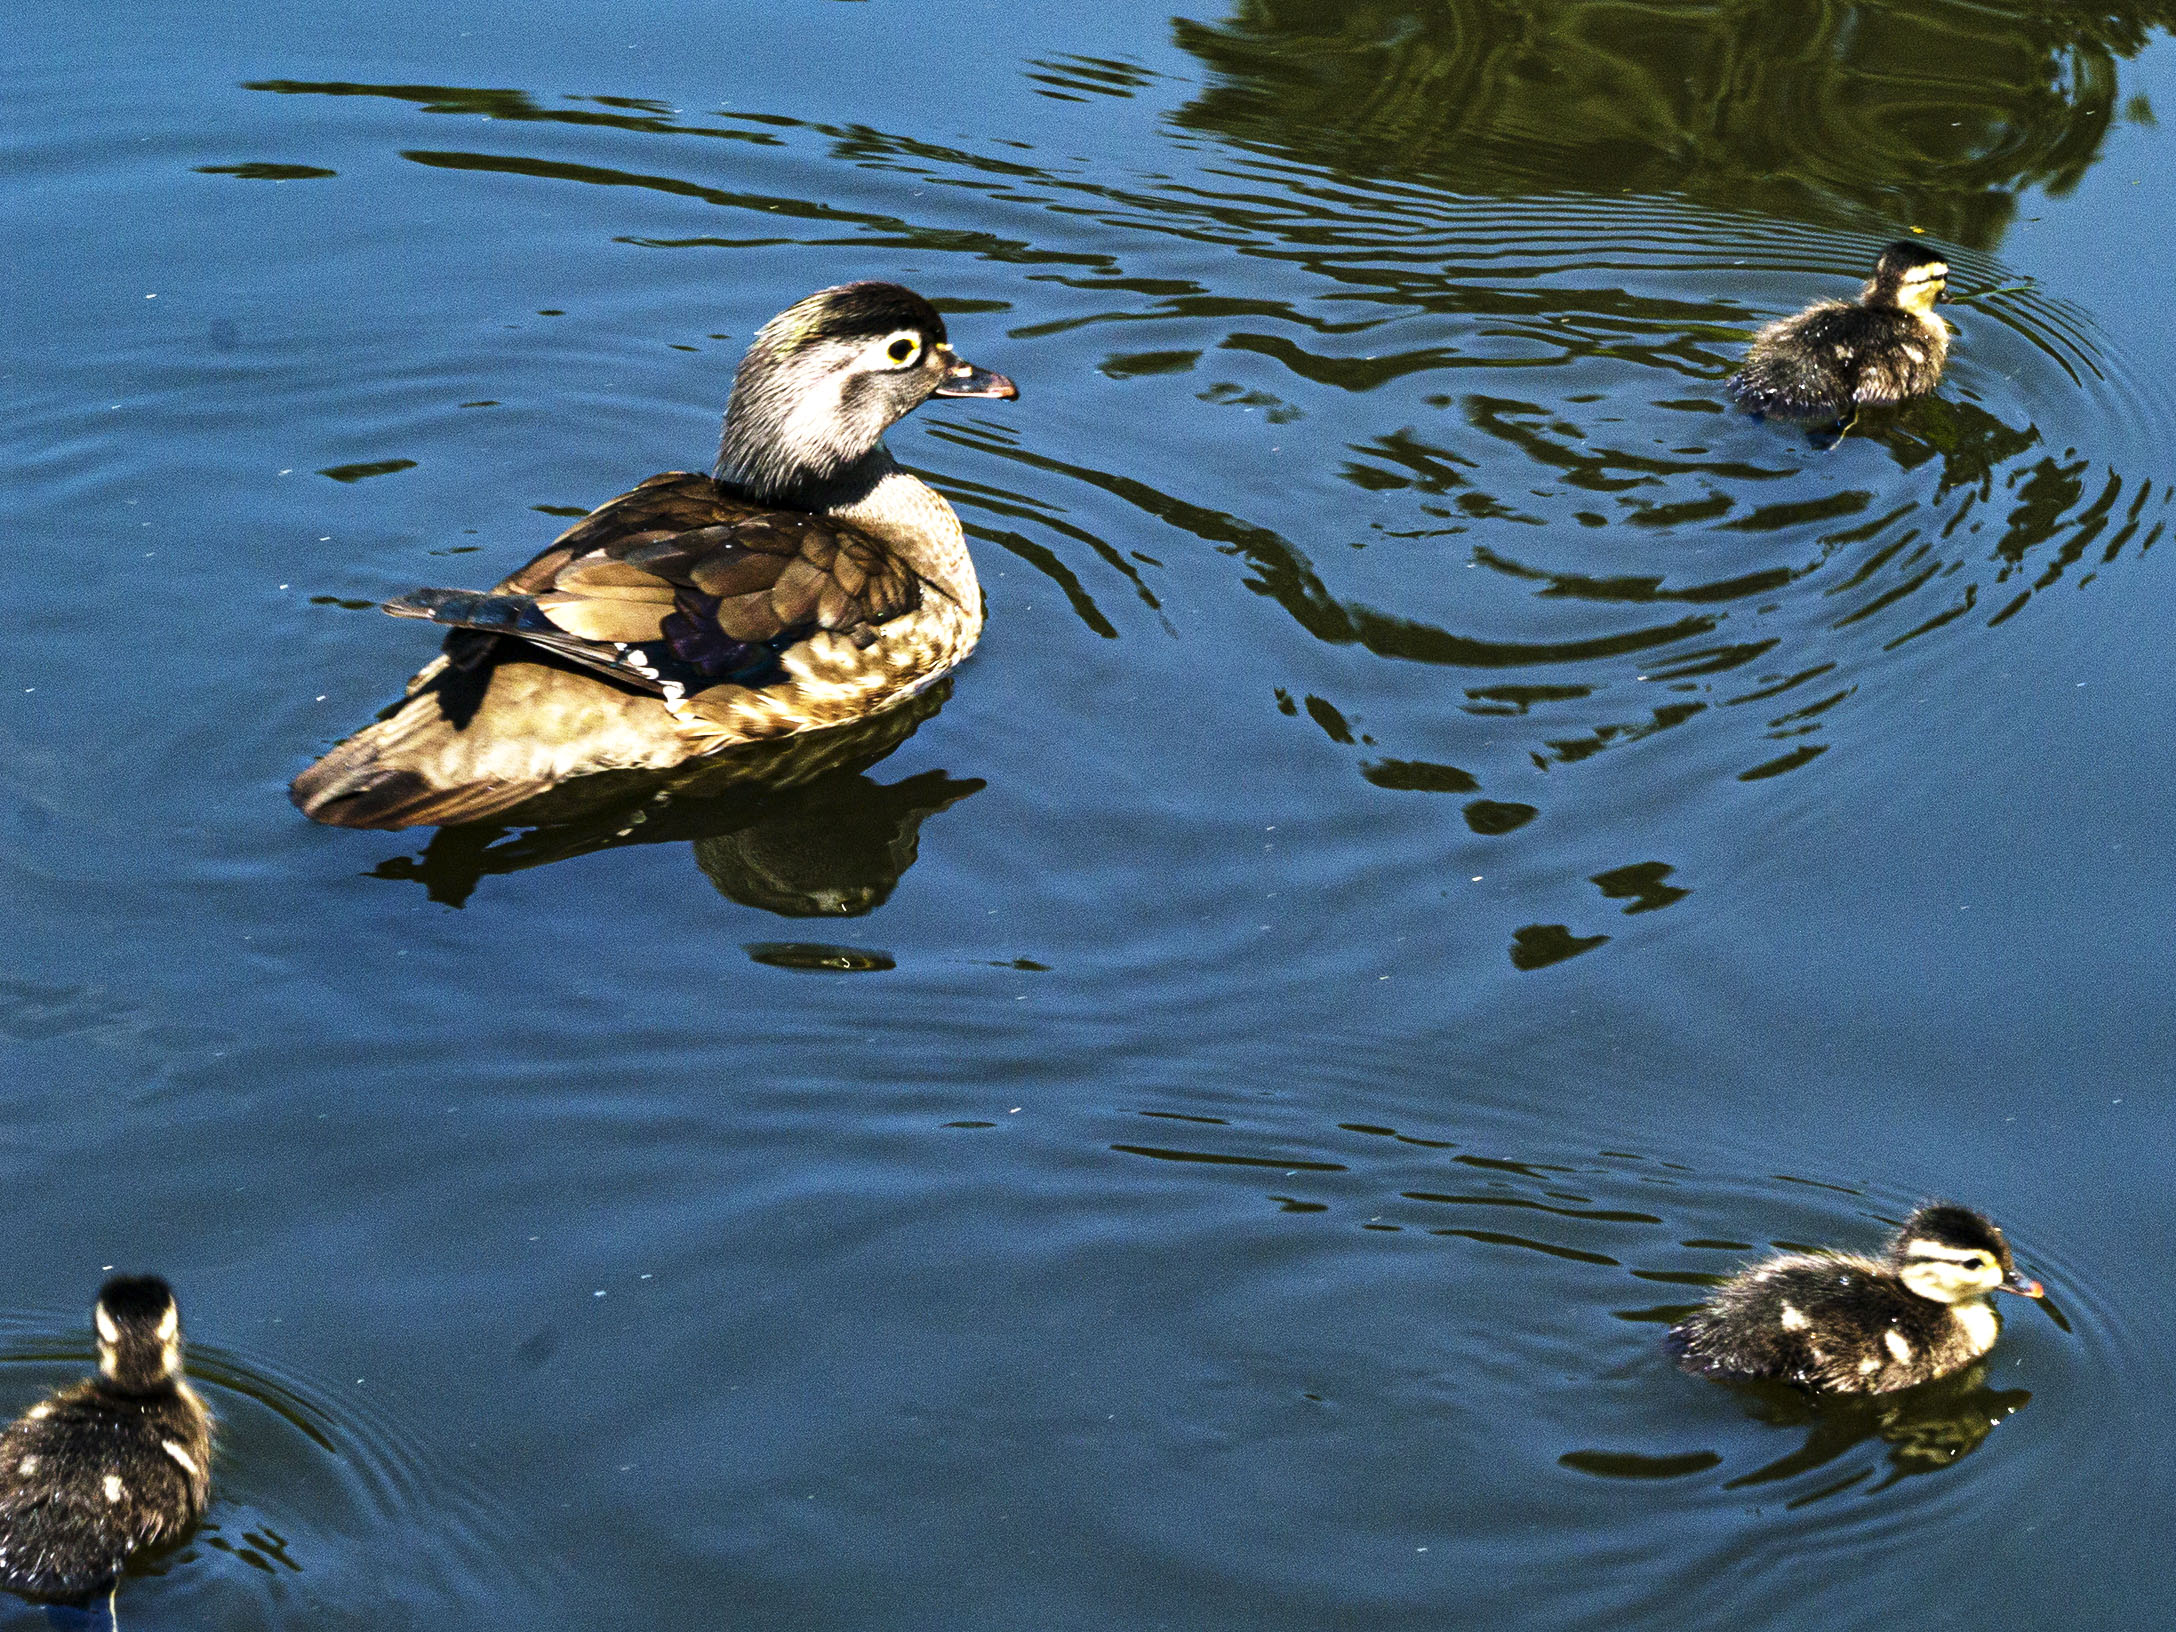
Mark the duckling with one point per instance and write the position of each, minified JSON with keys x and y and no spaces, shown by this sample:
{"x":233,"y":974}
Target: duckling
{"x":807,"y":582}
{"x":1846,"y":1324}
{"x":1839,"y":356}
{"x":116,"y":1462}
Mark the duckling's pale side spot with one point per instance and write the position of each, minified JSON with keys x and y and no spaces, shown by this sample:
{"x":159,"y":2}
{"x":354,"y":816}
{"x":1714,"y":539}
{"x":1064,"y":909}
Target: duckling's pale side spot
{"x":1849,"y":1324}
{"x":810,"y":582}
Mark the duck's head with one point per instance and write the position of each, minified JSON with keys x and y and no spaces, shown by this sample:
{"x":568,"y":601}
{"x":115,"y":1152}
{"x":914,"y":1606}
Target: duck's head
{"x":827,"y":376}
{"x":1951,"y":1254}
{"x":139,"y":1334}
{"x":1908,"y":275}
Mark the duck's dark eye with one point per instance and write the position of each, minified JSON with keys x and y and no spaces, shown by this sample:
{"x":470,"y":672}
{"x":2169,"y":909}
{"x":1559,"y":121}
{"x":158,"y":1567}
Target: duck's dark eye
{"x":901,"y":349}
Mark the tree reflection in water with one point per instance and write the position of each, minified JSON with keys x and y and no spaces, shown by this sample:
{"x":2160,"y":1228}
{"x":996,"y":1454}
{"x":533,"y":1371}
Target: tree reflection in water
{"x":1935,"y":114}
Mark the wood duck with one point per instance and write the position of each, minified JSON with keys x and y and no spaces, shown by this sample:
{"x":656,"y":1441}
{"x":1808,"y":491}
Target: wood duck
{"x":1841,"y":1323}
{"x":807,"y":583}
{"x":119,"y":1461}
{"x":1838,"y":356}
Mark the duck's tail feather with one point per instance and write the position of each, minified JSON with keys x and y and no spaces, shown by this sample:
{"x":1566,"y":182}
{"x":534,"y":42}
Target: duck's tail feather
{"x":474,"y":609}
{"x":471,"y":614}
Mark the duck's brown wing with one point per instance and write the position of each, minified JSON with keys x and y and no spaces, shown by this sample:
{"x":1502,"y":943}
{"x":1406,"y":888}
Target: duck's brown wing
{"x":681,"y":584}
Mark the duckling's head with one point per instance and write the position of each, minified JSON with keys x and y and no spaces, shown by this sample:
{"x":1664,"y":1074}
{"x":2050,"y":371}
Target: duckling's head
{"x":1908,"y":275}
{"x":139,"y":1334}
{"x":824,"y":380}
{"x":1951,"y":1254}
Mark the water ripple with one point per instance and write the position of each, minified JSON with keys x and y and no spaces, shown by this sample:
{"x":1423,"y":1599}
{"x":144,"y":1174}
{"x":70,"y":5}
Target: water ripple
{"x":315,"y":1485}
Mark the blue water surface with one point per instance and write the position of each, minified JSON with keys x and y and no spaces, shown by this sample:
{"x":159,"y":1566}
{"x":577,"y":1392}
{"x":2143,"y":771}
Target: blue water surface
{"x":1433,"y":770}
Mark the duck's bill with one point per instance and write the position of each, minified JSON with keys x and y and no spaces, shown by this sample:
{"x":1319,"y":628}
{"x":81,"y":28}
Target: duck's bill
{"x":963,"y":379}
{"x":2024,"y":1286}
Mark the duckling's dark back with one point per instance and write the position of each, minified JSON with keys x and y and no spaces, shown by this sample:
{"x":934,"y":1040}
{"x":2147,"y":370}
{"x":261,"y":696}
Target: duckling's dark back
{"x":111,"y":1464}
{"x":1835,"y":357}
{"x":1839,"y":1324}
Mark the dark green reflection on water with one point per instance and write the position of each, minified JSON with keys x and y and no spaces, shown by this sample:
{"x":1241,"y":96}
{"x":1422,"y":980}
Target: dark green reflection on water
{"x":1933,"y":114}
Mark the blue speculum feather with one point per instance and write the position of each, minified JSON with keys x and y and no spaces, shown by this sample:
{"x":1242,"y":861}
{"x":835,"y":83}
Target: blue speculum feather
{"x":695,"y":638}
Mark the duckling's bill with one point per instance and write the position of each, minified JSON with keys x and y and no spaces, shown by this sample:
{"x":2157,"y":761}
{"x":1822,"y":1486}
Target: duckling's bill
{"x":2023,"y":1285}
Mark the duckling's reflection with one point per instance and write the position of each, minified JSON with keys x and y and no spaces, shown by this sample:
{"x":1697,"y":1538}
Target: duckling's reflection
{"x":1927,"y":1428}
{"x":794,"y":827}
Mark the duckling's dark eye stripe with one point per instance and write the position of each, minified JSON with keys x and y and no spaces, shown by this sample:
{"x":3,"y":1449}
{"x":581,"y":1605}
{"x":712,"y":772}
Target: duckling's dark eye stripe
{"x":1951,"y":1255}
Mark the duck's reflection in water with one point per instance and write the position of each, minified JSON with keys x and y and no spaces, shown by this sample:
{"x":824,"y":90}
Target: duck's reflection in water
{"x":1926,"y":1429}
{"x":794,"y":827}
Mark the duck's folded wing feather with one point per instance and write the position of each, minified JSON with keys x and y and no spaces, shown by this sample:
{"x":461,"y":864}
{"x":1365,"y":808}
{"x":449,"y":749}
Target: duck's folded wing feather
{"x":680,"y":582}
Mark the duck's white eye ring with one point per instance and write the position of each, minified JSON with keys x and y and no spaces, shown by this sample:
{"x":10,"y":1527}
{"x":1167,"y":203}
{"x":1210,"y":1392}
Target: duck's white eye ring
{"x":904,"y":348}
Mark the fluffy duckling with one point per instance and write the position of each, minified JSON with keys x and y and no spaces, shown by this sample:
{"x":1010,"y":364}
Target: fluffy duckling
{"x":808,"y":582}
{"x":116,"y":1462}
{"x":1847,"y":1324}
{"x":1838,"y":356}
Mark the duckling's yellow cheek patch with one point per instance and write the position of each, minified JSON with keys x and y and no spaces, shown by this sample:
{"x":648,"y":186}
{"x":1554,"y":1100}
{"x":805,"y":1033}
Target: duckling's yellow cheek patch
{"x":1893,"y":1341}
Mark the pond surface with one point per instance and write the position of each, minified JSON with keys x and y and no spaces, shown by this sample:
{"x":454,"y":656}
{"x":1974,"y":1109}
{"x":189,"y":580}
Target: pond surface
{"x":1432,"y":771}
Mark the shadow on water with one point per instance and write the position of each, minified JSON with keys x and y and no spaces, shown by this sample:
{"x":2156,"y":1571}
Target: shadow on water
{"x":794,"y":827}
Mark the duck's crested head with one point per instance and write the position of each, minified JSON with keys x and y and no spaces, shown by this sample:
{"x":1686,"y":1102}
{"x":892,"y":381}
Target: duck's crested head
{"x":1950,"y":1253}
{"x":139,"y":1333}
{"x":827,"y":377}
{"x":1909,"y":275}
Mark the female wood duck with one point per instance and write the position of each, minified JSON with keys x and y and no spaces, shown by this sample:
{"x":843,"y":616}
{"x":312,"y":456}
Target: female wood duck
{"x":1838,"y":356}
{"x":116,"y":1462}
{"x":808,"y":583}
{"x":1852,"y":1325}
